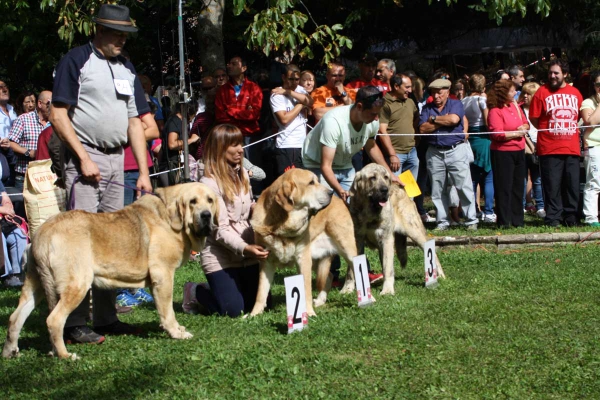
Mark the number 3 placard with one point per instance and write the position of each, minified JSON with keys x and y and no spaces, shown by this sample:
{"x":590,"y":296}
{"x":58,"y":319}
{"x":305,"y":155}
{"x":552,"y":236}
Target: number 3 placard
{"x":430,"y":264}
{"x":295,"y":300}
{"x":363,"y":285}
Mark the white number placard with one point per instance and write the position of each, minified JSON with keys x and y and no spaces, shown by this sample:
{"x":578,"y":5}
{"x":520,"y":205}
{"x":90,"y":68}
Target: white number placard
{"x":430,"y":264}
{"x":363,"y":285}
{"x":123,"y":87}
{"x":295,"y":300}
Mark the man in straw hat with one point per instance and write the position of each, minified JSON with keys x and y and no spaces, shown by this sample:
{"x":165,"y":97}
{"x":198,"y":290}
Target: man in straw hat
{"x":94,"y":113}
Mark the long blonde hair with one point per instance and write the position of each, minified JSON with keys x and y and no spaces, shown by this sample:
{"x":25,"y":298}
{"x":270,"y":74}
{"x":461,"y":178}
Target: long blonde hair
{"x":230,"y":180}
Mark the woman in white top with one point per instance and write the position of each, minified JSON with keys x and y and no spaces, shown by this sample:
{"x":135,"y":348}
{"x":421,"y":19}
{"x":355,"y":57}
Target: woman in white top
{"x":533,"y":186}
{"x":476,"y":111}
{"x":590,"y":112}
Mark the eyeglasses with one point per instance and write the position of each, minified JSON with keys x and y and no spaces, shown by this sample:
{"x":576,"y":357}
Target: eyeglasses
{"x":597,"y":84}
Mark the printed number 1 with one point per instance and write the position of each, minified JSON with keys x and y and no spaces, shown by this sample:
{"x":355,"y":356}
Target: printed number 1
{"x":362,"y":279}
{"x":430,"y":256}
{"x":296,"y":319}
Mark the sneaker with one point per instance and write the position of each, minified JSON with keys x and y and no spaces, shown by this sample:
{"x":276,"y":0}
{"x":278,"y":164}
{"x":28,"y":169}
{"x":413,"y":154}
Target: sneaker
{"x":13,"y":281}
{"x":82,"y":334}
{"x":541,"y":213}
{"x":442,"y":227}
{"x":123,"y":309}
{"x":375,"y":277}
{"x":489,"y":218}
{"x":189,"y":298}
{"x":472,"y":227}
{"x":454,"y":224}
{"x":143,"y":296}
{"x":593,"y":224}
{"x":125,"y":299}
{"x":479,"y":215}
{"x":427,"y":218}
{"x":118,"y":328}
{"x":530,"y":209}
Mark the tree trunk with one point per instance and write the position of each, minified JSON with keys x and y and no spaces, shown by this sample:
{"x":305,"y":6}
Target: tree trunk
{"x":210,"y":36}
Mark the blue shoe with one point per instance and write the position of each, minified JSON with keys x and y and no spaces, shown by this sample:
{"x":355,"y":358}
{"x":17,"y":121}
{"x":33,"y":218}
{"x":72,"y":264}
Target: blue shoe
{"x":143,"y":296}
{"x":125,"y":299}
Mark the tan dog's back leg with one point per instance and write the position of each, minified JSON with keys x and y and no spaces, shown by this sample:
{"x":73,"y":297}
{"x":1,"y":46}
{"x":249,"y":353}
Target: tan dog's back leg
{"x":347,"y":249}
{"x":324,"y":279}
{"x":70,"y":298}
{"x":31,"y":295}
{"x":265,"y":280}
{"x":162,"y":289}
{"x":419,"y":236}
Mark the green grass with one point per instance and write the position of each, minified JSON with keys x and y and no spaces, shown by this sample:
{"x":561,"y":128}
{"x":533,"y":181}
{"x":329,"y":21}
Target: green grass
{"x":517,"y":324}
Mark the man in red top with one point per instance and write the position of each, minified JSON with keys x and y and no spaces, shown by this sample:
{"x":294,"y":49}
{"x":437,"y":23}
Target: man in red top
{"x":554,"y":111}
{"x":238,"y":102}
{"x":367,"y":66}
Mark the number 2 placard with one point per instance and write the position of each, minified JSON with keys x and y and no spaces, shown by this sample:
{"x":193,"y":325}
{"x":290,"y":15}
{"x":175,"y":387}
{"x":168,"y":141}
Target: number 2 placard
{"x":430,"y":264}
{"x":363,"y":285}
{"x":295,"y":300}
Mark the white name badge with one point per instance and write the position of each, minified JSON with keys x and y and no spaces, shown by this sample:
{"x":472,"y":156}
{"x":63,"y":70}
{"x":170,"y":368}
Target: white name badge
{"x":295,"y":301}
{"x":123,"y":87}
{"x":363,"y":285}
{"x":430,"y":264}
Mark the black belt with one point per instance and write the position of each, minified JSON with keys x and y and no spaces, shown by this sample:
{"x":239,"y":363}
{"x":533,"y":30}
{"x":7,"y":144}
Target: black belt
{"x":448,"y":147}
{"x":105,"y":150}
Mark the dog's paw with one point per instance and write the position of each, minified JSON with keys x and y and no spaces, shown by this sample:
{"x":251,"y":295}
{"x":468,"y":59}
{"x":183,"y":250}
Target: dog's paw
{"x":311,"y":313}
{"x":318,"y":302}
{"x":11,"y":353}
{"x":73,"y":356}
{"x":186,"y":335}
{"x":348,"y":288}
{"x":387,"y":290}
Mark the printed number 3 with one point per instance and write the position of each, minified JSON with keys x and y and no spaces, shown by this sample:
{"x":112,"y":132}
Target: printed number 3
{"x":430,"y":257}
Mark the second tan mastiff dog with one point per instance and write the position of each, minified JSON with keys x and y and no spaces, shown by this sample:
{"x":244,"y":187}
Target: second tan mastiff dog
{"x":302,"y":224}
{"x":139,"y":246}
{"x":384,"y":216}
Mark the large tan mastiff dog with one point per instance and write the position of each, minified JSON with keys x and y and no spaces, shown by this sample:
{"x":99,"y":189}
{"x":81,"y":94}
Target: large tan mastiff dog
{"x":301,"y":223}
{"x":139,"y":246}
{"x":384,"y":216}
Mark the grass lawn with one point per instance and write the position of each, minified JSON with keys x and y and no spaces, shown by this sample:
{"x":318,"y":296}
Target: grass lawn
{"x":519,"y":324}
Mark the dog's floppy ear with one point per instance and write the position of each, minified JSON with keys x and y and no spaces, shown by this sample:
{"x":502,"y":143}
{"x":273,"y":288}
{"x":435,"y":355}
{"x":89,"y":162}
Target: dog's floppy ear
{"x":174,"y":211}
{"x":284,"y":194}
{"x":356,"y":184}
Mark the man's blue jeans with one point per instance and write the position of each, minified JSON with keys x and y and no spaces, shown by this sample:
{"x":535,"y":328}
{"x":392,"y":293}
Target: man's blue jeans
{"x":409,"y":161}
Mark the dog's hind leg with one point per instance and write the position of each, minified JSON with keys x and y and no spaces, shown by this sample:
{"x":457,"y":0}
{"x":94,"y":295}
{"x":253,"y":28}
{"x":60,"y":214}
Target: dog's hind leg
{"x":162,"y":289}
{"x":324,"y":279}
{"x":70,"y":298}
{"x":348,"y":251}
{"x":400,"y":243}
{"x":265,"y":280}
{"x":31,"y":295}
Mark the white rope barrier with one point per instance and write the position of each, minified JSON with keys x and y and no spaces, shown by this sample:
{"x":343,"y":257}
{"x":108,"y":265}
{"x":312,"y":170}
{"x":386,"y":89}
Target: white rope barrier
{"x":553,"y":130}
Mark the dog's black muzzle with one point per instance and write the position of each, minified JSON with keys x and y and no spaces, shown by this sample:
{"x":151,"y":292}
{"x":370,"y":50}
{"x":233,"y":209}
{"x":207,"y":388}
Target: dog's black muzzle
{"x":204,"y":224}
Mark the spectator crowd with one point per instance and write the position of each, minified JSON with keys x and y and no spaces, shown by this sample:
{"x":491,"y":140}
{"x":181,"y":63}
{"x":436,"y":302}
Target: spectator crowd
{"x":488,"y":150}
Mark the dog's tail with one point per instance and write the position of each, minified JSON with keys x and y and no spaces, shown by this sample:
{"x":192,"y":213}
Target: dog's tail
{"x":43,"y":275}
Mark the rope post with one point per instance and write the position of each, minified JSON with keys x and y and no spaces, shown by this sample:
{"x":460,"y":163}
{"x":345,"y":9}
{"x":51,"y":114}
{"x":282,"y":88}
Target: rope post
{"x":183,"y":98}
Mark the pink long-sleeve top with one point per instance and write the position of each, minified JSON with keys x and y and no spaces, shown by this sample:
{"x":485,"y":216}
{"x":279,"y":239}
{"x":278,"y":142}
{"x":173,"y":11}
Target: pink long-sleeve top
{"x":502,"y":120}
{"x":225,"y":246}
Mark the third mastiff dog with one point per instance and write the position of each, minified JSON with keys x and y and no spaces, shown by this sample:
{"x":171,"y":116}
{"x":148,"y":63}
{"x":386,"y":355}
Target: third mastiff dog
{"x":139,"y":246}
{"x":384,"y":216}
{"x":301,"y":223}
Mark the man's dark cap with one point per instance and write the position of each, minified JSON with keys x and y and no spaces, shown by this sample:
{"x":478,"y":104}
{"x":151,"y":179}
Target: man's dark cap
{"x":368,"y":59}
{"x":115,"y":17}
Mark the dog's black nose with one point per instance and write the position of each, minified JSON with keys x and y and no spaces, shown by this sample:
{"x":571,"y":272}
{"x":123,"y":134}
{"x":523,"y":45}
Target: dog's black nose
{"x":384,"y":189}
{"x":205,"y":216}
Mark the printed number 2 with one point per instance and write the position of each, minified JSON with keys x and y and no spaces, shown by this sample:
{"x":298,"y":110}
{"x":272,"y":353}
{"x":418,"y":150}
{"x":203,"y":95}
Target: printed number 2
{"x":297,"y":320}
{"x":430,"y":257}
{"x":362,"y":279}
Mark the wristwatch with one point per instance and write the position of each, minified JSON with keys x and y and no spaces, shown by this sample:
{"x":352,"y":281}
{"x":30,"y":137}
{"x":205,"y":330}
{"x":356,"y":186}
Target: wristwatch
{"x":433,"y":119}
{"x":344,"y":94}
{"x":27,"y":153}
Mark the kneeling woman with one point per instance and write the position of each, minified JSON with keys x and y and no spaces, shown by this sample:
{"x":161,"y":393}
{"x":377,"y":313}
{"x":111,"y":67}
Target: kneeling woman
{"x":230,"y":259}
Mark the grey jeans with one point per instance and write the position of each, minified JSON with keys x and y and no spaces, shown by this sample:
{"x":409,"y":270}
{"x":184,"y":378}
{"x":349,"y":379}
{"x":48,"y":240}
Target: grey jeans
{"x":451,"y":167}
{"x":101,"y":197}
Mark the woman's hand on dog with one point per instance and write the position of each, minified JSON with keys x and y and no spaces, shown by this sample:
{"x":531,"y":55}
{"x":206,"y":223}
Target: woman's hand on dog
{"x":256,"y":251}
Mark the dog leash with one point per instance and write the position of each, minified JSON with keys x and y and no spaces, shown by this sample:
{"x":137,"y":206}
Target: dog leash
{"x":78,"y":178}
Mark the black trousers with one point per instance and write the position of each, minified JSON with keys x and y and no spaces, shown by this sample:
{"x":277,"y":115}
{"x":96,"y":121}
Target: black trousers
{"x":286,"y":159}
{"x":509,"y":174}
{"x":560,"y":188}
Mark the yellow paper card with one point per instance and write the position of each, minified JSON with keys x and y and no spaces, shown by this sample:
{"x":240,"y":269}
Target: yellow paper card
{"x":410,"y":185}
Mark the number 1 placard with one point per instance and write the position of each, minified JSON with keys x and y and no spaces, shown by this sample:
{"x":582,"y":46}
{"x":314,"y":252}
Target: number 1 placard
{"x":363,"y":285}
{"x":430,"y":264}
{"x":295,"y":300}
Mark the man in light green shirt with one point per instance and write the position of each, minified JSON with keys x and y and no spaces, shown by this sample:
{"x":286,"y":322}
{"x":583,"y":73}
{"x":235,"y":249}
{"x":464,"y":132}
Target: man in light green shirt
{"x":343,"y":132}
